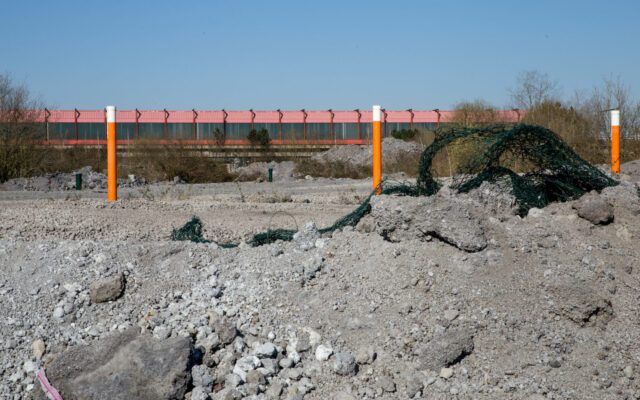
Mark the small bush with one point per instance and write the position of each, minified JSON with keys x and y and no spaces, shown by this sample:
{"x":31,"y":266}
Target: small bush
{"x":219,"y":137}
{"x":405,"y":134}
{"x":259,"y":137}
{"x":407,"y":164}
{"x":155,"y":163}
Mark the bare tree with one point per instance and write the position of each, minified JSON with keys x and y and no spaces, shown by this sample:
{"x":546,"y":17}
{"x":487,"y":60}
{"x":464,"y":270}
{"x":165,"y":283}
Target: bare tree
{"x":533,"y":88}
{"x":19,"y":129}
{"x":612,"y":94}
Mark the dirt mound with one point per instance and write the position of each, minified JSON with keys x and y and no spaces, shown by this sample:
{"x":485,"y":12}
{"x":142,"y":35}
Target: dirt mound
{"x":59,"y":181}
{"x":631,"y":169}
{"x":282,"y":171}
{"x":393,"y":151}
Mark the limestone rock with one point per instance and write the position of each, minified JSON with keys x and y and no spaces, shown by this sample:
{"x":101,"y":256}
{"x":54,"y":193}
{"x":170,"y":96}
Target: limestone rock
{"x":123,"y":366}
{"x":446,"y":349}
{"x":594,"y":209}
{"x":344,"y":364}
{"x":107,"y":289}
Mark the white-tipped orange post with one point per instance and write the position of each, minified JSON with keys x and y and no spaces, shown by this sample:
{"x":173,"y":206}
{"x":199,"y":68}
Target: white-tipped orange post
{"x":377,"y":150}
{"x":615,"y":141}
{"x":112,"y":169}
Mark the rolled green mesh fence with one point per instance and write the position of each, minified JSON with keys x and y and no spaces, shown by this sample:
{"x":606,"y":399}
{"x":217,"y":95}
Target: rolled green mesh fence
{"x":539,"y":167}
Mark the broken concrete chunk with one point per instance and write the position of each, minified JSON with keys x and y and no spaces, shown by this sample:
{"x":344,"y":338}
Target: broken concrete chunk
{"x":446,"y":220}
{"x":344,"y":364}
{"x":594,"y":209}
{"x":123,"y":366}
{"x":107,"y":289}
{"x":581,"y":304}
{"x":446,"y":349}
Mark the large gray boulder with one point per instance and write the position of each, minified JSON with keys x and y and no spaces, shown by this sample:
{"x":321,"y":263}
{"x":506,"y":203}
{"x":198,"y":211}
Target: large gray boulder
{"x":123,"y":366}
{"x":594,"y":209}
{"x":107,"y":289}
{"x":443,"y":218}
{"x":581,"y":303}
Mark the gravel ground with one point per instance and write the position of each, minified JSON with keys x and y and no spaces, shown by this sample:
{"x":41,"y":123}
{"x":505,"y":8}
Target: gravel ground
{"x":446,"y":297}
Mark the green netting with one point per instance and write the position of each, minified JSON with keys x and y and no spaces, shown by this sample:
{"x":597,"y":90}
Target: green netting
{"x":539,"y":166}
{"x":551,"y":170}
{"x":191,"y":231}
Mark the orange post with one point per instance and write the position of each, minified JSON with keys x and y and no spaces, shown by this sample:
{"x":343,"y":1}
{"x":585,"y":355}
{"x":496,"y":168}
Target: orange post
{"x":615,"y":141}
{"x":112,"y":170}
{"x":377,"y":150}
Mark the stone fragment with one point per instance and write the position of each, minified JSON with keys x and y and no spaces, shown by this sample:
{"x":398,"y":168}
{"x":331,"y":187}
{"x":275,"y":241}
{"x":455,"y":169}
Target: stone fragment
{"x":413,"y":384}
{"x":344,"y":364}
{"x":199,"y":393}
{"x":226,"y":330}
{"x":29,"y":367}
{"x":107,"y":289}
{"x":365,"y":355}
{"x":38,"y":348}
{"x":269,"y":366}
{"x":581,"y":303}
{"x":366,"y":224}
{"x":446,"y":349}
{"x":58,"y":312}
{"x":274,"y":390}
{"x":294,"y":373}
{"x":286,"y":362}
{"x":306,"y":237}
{"x":446,"y":373}
{"x":246,"y":364}
{"x":594,"y":209}
{"x":450,"y":222}
{"x":162,"y":332}
{"x":201,"y":376}
{"x":386,"y":384}
{"x":266,"y":350}
{"x":323,"y":352}
{"x":233,"y":380}
{"x":228,"y":393}
{"x":312,"y":369}
{"x":255,"y":377}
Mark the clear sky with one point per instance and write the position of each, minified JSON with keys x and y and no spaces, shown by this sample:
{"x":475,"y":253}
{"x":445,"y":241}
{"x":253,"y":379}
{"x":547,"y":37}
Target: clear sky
{"x":311,"y":54}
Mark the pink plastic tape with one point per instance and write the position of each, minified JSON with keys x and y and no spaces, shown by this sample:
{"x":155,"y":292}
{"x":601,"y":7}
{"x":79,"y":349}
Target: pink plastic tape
{"x":48,"y":389}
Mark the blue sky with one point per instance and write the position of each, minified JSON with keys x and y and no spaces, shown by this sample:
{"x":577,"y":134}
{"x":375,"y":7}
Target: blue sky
{"x":311,"y":54}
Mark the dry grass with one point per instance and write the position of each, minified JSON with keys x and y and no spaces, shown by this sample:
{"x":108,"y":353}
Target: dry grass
{"x":162,"y":163}
{"x":341,"y":169}
{"x":72,"y":159}
{"x":149,"y":163}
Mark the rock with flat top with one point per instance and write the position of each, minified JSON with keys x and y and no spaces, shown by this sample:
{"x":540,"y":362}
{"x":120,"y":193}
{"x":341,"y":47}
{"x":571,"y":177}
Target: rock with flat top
{"x":107,"y":289}
{"x":123,"y":366}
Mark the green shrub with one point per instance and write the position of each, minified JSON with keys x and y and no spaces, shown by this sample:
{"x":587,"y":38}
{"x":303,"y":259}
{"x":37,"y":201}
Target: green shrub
{"x":219,"y":137}
{"x":259,"y":137}
{"x":405,"y":134}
